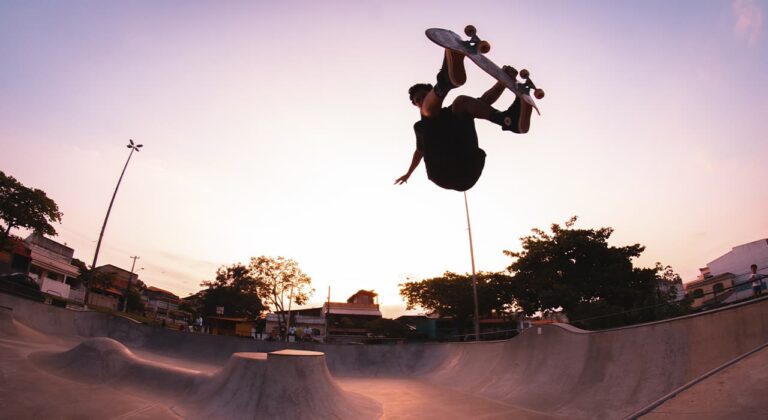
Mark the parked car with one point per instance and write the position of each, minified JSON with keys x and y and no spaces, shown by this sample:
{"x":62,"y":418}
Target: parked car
{"x":20,"y":284}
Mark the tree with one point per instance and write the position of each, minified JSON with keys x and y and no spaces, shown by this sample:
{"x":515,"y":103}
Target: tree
{"x":236,"y":290}
{"x":133,"y":301}
{"x":23,"y":207}
{"x":451,"y":295}
{"x":91,"y":278}
{"x":577,"y":271}
{"x":280,"y":279}
{"x":387,"y":328}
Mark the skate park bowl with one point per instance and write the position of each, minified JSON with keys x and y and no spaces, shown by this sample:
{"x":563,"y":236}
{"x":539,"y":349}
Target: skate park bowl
{"x":61,"y":363}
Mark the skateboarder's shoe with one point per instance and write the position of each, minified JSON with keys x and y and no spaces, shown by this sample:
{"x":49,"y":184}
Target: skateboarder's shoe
{"x":451,"y":74}
{"x":517,"y":118}
{"x":455,"y":64}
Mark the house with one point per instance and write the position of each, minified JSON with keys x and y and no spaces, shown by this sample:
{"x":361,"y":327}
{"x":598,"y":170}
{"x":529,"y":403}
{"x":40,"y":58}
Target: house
{"x":346,"y":320}
{"x":239,"y":327}
{"x":714,"y":290}
{"x":334,"y":321}
{"x":301,"y":319}
{"x":16,"y":257}
{"x":51,"y":265}
{"x":739,"y":258}
{"x":112,"y":296}
{"x":726,"y":278}
{"x":120,"y":277}
{"x":161,"y":302}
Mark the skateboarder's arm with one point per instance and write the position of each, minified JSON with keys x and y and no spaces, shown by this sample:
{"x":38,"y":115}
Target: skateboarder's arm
{"x":493,"y":94}
{"x":414,"y":163}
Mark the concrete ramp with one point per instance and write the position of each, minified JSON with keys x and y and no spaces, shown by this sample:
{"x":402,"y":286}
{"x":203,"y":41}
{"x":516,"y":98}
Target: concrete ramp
{"x":287,"y":384}
{"x":104,"y":361}
{"x":555,"y":371}
{"x":12,"y":329}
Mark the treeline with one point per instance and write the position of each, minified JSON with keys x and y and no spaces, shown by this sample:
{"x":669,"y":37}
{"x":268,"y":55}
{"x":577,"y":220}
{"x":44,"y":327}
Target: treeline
{"x":568,"y":270}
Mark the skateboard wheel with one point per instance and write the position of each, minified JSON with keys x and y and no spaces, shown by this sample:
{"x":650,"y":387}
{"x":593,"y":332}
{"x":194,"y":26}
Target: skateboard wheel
{"x":525,"y":74}
{"x":470,"y":30}
{"x":484,"y":47}
{"x":538,"y":93}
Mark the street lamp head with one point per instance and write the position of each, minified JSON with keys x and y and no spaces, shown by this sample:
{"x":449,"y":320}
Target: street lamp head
{"x":134,"y":146}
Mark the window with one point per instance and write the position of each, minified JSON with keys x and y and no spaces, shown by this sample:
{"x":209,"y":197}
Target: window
{"x":698,"y":293}
{"x":53,"y":276}
{"x":718,"y":287}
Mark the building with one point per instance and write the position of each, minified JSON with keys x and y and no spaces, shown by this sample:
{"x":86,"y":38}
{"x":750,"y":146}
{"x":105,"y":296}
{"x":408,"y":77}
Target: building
{"x":239,"y":327}
{"x":726,"y":278}
{"x":346,"y":320}
{"x":16,"y":257}
{"x":51,"y":265}
{"x":334,"y":321}
{"x":301,"y":319}
{"x":739,"y":258}
{"x":161,"y":302}
{"x":713,"y":290}
{"x":120,"y":277}
{"x":113,"y":296}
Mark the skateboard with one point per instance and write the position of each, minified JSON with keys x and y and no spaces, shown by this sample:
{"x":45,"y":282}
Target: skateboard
{"x":475,"y":49}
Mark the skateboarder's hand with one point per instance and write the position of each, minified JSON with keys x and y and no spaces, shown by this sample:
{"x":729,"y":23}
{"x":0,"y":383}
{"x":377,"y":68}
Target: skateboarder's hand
{"x":402,"y":180}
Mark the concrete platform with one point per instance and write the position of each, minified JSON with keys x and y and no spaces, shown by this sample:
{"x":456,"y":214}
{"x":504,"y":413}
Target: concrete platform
{"x":57,"y":363}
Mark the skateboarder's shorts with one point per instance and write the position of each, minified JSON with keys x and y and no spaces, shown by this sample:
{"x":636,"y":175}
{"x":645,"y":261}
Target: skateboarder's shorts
{"x":457,"y":174}
{"x":451,"y":153}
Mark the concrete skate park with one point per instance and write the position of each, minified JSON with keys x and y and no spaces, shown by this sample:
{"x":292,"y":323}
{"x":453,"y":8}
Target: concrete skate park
{"x":61,"y":363}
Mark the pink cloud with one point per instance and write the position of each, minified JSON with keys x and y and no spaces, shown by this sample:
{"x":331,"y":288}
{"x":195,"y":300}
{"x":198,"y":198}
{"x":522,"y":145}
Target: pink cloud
{"x":749,"y":21}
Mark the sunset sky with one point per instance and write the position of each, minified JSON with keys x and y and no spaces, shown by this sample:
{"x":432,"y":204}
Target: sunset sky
{"x":278,"y":128}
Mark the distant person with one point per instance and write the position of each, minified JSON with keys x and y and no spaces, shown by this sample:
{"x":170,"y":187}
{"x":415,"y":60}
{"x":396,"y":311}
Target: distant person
{"x":757,"y":281}
{"x":445,"y":136}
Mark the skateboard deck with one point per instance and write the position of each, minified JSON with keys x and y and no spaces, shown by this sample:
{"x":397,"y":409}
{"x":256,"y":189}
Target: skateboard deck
{"x":472,"y":49}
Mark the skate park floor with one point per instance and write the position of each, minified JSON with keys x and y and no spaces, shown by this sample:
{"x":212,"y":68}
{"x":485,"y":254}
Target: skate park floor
{"x":58,"y":363}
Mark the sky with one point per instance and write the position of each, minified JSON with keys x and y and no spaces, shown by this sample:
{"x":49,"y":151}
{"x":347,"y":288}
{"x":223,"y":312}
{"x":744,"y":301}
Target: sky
{"x":278,"y":129}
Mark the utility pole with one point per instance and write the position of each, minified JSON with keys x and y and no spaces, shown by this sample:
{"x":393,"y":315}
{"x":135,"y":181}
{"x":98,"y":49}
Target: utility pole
{"x":474,"y":276}
{"x":128,"y":290}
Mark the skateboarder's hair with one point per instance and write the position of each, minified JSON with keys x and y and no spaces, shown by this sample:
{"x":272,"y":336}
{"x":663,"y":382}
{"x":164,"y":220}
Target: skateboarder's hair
{"x":418,"y":87}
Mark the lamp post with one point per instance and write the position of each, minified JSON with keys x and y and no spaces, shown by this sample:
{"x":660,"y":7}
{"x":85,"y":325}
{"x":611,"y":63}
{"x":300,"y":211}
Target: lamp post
{"x":134,"y":148}
{"x":474,"y":276}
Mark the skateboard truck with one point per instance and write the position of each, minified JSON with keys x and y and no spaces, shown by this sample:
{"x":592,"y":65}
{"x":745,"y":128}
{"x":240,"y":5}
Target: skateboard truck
{"x":526,"y":75}
{"x":475,"y":42}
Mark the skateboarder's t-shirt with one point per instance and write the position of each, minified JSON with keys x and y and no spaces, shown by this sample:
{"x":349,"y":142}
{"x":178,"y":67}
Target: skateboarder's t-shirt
{"x":448,"y":142}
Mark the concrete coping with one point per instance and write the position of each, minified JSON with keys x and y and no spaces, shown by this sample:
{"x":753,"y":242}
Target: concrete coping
{"x":296,"y":353}
{"x":250,"y":355}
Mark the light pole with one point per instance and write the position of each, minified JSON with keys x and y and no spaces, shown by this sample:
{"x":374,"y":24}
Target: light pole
{"x":128,"y":290}
{"x":474,"y":276}
{"x":134,"y":148}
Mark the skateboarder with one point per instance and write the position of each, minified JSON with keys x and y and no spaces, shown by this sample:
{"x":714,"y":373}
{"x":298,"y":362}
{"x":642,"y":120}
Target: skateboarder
{"x":445,"y":136}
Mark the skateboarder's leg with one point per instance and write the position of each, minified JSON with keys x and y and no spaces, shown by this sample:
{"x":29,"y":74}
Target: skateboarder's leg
{"x":450,"y":76}
{"x":475,"y":107}
{"x":516,"y":119}
{"x":431,"y":104}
